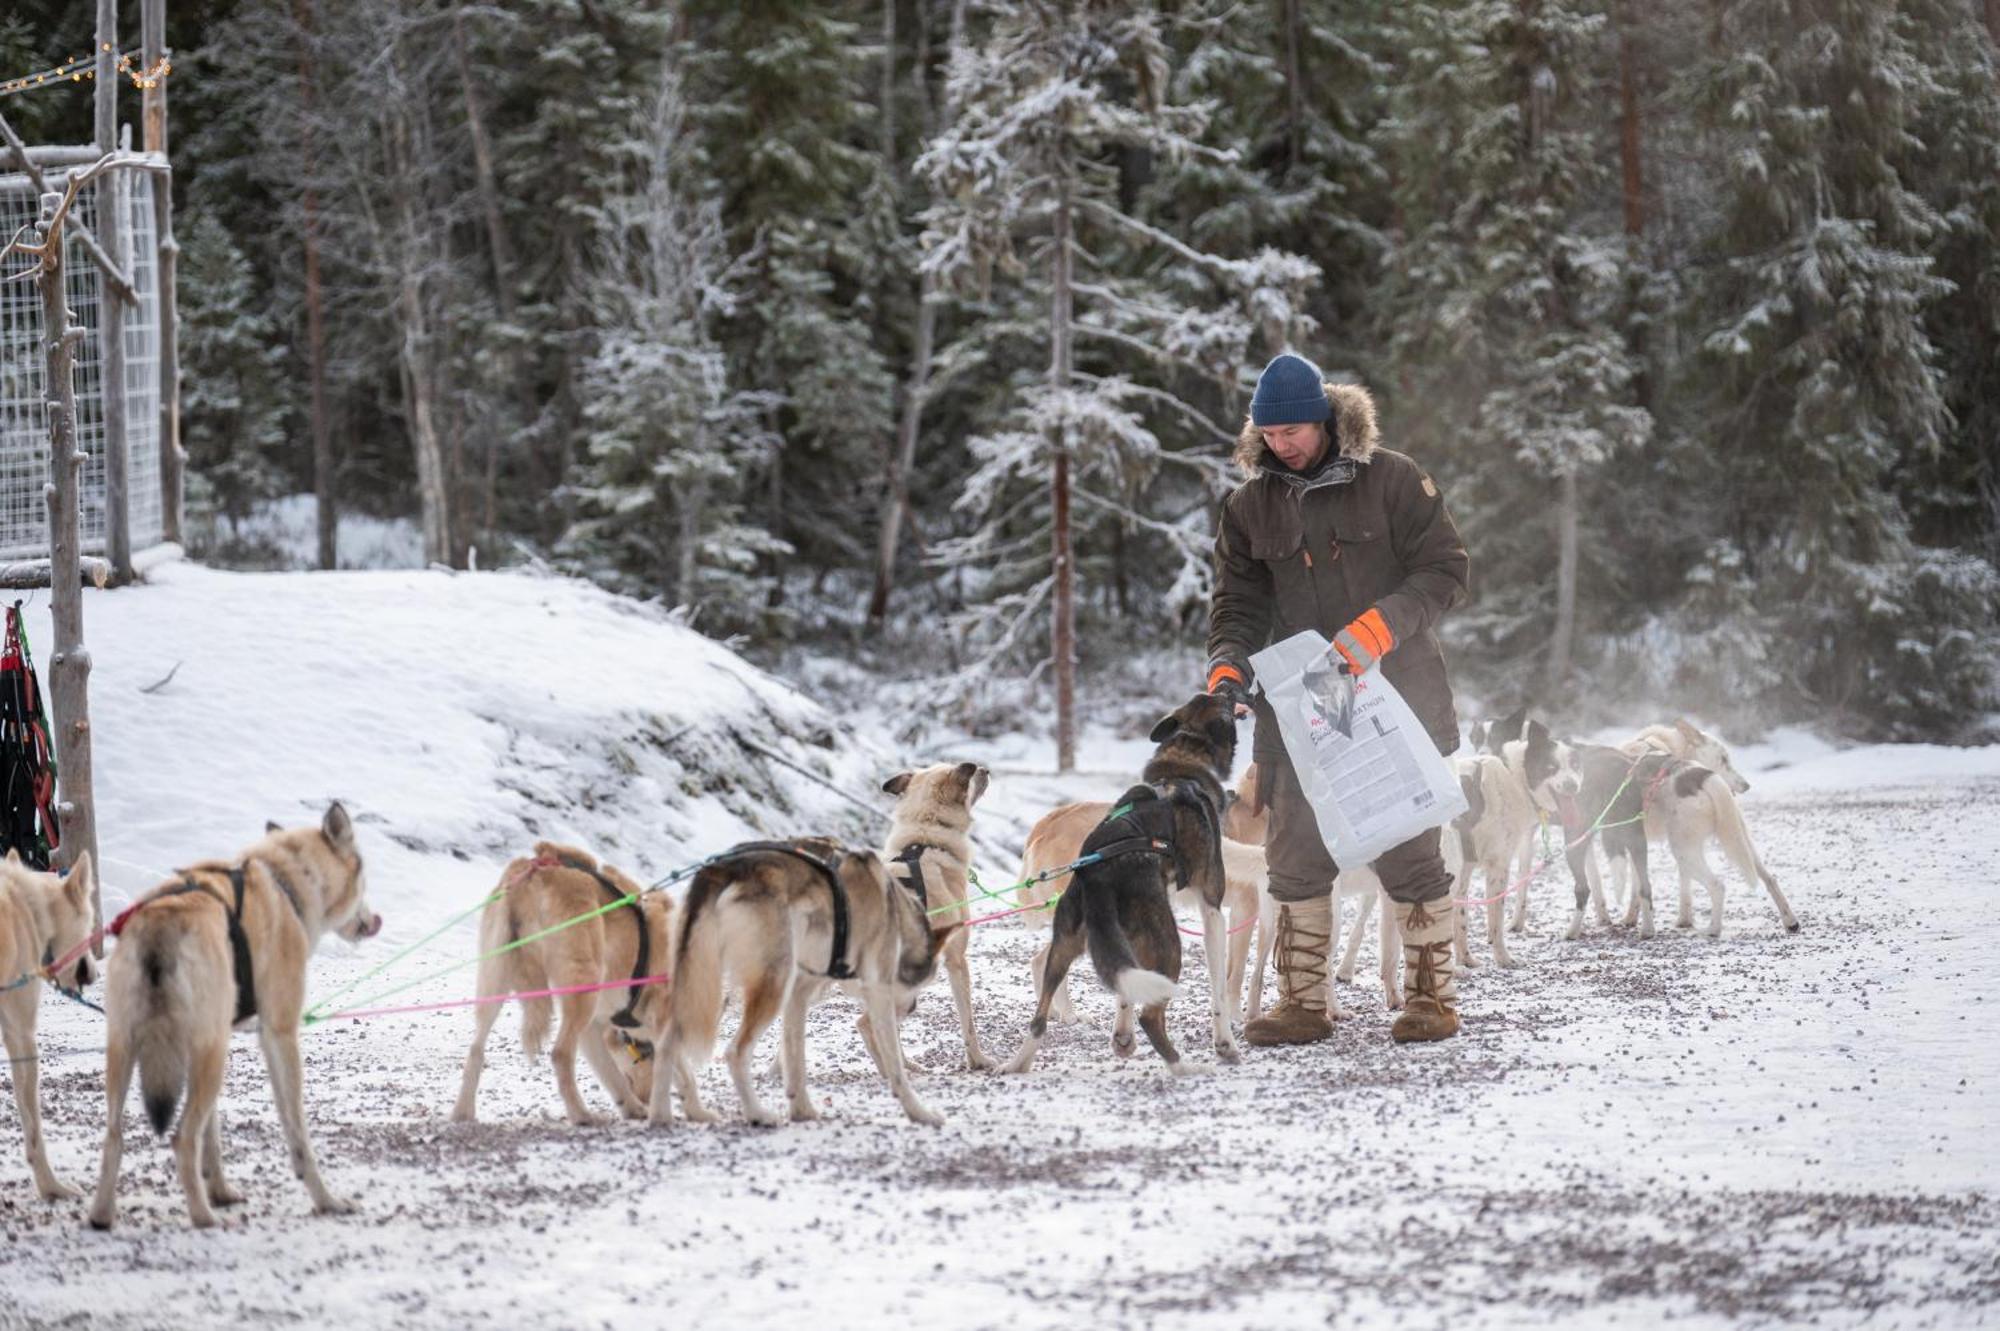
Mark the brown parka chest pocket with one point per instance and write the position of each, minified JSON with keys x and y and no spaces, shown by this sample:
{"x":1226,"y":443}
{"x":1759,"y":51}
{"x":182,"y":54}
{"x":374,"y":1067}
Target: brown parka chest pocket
{"x":1281,"y":547}
{"x":1365,"y":558}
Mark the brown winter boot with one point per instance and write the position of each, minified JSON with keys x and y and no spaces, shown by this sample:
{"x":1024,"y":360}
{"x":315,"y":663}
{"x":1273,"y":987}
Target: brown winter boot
{"x":1430,"y":1004}
{"x":1305,"y":931}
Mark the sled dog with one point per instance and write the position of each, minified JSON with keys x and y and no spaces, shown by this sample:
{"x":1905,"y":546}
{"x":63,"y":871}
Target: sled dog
{"x":784,"y":921}
{"x":43,"y":918}
{"x":1163,"y":836}
{"x":929,"y":848}
{"x":211,"y":949}
{"x":538,"y":895}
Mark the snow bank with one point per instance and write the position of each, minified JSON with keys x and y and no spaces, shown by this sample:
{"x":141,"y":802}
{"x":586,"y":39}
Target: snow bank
{"x":459,"y":716}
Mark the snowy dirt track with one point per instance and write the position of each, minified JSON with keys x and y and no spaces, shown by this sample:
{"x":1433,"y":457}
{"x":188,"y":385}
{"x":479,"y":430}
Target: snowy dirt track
{"x":1762,"y":1130}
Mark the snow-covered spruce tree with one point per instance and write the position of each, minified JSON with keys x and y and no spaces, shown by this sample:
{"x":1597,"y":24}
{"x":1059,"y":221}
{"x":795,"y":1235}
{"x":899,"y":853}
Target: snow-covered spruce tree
{"x":777,"y":93}
{"x":1822,"y":383}
{"x":234,"y":397}
{"x":1028,"y":183}
{"x":564,"y":87}
{"x":670,"y":447}
{"x":1514,"y":375}
{"x":1294,"y":89}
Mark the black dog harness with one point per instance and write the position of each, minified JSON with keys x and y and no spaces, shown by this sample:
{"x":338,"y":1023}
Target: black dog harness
{"x":239,"y":940}
{"x":1147,"y":815}
{"x":625,"y":1017}
{"x":836,"y":966}
{"x":911,"y":857}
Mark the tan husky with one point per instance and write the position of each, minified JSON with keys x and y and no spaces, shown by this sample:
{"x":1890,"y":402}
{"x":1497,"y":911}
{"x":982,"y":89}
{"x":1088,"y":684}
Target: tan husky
{"x":222,"y":943}
{"x":785,"y":921}
{"x":930,"y":849}
{"x":43,"y":918}
{"x":633,"y":942}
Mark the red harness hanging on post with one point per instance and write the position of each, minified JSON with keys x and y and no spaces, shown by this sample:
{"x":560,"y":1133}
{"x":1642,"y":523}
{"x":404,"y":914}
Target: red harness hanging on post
{"x":27,"y":763}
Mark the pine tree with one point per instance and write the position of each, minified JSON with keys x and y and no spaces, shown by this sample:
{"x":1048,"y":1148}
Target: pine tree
{"x":234,"y":401}
{"x":777,"y":93}
{"x":669,"y":445}
{"x":1044,"y":98}
{"x":1505,"y":291}
{"x":1822,"y":381}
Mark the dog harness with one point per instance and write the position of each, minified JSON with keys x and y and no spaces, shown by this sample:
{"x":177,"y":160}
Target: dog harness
{"x":1150,"y":810}
{"x":239,"y":939}
{"x":911,"y":857}
{"x":836,"y":966}
{"x":625,"y":1017}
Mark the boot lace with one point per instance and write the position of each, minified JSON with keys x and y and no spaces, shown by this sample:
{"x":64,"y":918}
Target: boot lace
{"x":1302,"y":957}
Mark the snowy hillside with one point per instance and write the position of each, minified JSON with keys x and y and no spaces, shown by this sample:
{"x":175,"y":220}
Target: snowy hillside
{"x":1764,"y":1129}
{"x":459,"y":716}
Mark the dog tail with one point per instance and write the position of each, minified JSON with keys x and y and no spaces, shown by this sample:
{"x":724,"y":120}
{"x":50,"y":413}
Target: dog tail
{"x":163,"y":1010}
{"x":1734,"y":834}
{"x":1111,"y":951}
{"x":694,"y":1002}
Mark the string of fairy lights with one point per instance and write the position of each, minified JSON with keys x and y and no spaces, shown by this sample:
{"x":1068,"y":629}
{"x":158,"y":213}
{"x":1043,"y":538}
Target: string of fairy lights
{"x":78,"y":68}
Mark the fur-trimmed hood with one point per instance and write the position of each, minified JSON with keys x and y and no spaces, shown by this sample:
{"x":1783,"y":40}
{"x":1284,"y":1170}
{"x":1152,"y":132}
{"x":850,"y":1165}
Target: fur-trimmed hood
{"x":1355,"y":432}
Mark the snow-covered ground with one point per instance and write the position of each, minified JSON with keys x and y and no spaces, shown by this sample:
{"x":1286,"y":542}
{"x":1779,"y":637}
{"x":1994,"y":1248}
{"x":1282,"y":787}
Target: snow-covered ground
{"x":1766,"y":1129}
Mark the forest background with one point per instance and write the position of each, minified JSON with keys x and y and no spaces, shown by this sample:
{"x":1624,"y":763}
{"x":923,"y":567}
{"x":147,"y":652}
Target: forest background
{"x":904,"y":344}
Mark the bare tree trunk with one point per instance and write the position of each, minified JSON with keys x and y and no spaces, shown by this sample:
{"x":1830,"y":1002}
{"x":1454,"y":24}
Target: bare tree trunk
{"x":1061,"y":365}
{"x":889,"y":82}
{"x":501,"y":253}
{"x":692,"y":501}
{"x":1992,"y":10}
{"x":1295,"y":92}
{"x":1628,"y":132}
{"x":69,"y":665}
{"x":326,"y":489}
{"x":1566,"y":519}
{"x":896,"y":495}
{"x":152,"y":51}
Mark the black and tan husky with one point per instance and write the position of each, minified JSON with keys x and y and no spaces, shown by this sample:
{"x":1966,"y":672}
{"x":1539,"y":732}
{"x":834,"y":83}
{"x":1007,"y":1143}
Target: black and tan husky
{"x":1162,"y":837}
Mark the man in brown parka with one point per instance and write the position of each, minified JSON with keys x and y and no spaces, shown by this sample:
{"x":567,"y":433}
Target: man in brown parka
{"x":1335,"y":533}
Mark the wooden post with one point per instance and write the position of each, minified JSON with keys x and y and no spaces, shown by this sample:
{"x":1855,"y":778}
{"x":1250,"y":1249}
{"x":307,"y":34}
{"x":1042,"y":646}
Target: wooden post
{"x":69,"y":666}
{"x":114,"y":194}
{"x":153,"y":53}
{"x":111,"y":221}
{"x":1062,"y":638}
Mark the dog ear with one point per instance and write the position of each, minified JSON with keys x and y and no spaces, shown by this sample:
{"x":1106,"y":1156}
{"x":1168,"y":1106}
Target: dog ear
{"x":1536,"y":733}
{"x":77,"y":882}
{"x":941,"y":934}
{"x":270,"y":826}
{"x":337,"y":827}
{"x":898,"y":783}
{"x":13,"y":855}
{"x":1681,"y":724}
{"x":1478,"y":735}
{"x":1168,"y":725}
{"x":976,"y":779}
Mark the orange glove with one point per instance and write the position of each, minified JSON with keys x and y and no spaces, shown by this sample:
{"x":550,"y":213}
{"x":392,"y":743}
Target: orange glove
{"x":1227,"y":682}
{"x":1364,"y":642}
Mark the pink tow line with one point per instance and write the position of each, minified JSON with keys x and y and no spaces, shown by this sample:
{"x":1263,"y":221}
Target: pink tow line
{"x":357,"y":1014}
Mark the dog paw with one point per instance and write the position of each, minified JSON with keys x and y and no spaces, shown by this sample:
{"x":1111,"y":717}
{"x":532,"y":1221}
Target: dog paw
{"x":55,"y":1190}
{"x":224,"y":1195}
{"x":464,"y":1116}
{"x":925,"y":1115}
{"x":332,"y":1205}
{"x":586,"y":1120}
{"x":205,"y":1218}
{"x":764,"y":1118}
{"x":1124,"y":1043}
{"x":804,"y":1111}
{"x":1019,"y":1063}
{"x":1229,"y":1053}
{"x":1345,"y":975}
{"x":1187,"y":1068}
{"x":101,"y":1223}
{"x":977,"y":1061}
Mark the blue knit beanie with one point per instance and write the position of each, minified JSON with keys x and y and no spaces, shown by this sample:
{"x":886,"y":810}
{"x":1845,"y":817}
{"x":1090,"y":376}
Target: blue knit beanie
{"x":1290,"y":391}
